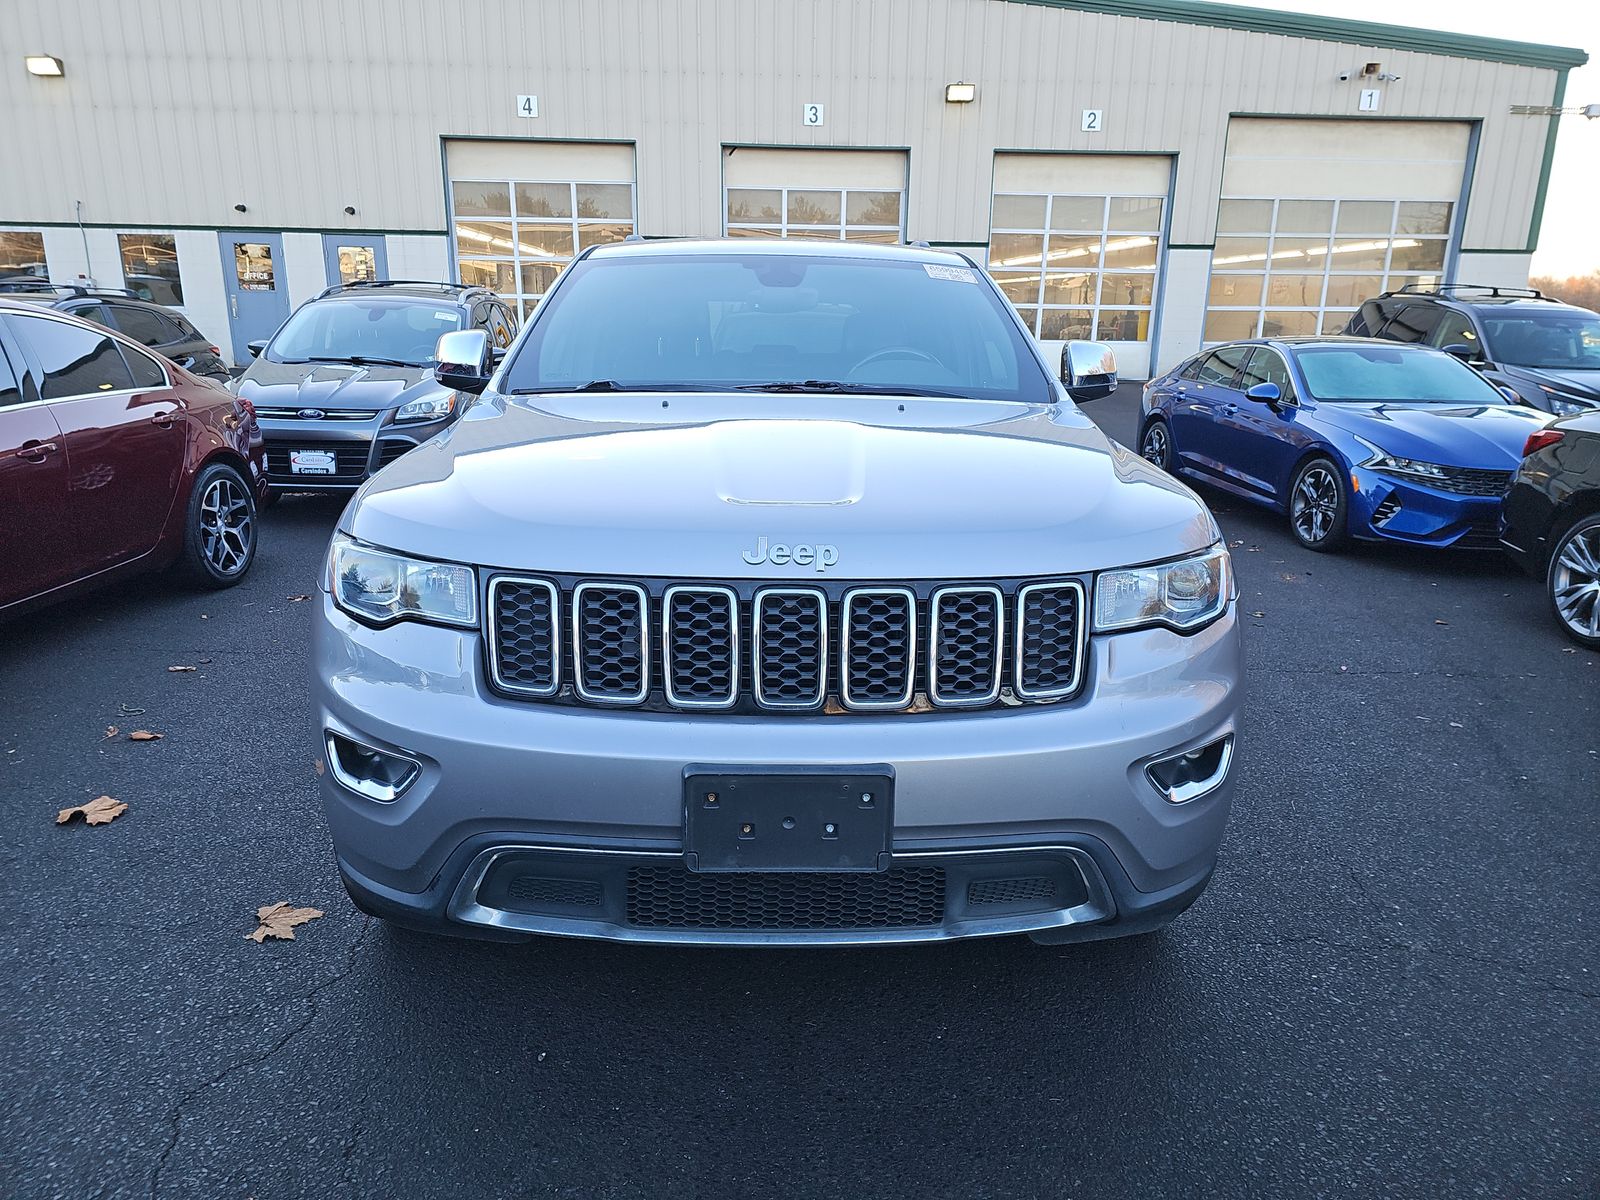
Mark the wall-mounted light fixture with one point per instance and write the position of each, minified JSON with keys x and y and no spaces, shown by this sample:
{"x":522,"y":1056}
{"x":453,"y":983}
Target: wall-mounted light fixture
{"x":43,"y":64}
{"x":240,"y":208}
{"x":349,"y":210}
{"x":960,"y":93}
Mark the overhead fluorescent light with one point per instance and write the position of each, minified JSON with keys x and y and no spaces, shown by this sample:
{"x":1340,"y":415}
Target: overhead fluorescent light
{"x":960,"y":93}
{"x":43,"y":64}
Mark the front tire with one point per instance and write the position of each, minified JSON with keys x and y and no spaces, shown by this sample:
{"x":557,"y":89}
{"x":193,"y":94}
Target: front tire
{"x":219,"y":533}
{"x":1573,"y":582}
{"x":1156,"y":444}
{"x":1319,"y":506}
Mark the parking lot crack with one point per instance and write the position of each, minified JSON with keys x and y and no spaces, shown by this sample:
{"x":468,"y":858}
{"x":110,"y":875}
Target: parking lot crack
{"x":312,"y":1009}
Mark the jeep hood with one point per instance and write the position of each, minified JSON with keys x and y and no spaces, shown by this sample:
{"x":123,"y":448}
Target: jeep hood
{"x":1487,"y":436}
{"x":333,"y":385}
{"x":1582,"y":385}
{"x":672,"y":484}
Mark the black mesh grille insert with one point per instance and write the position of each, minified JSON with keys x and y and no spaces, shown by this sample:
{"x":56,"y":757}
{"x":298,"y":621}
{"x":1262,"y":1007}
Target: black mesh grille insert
{"x":544,"y":889}
{"x":392,"y":448}
{"x":1010,"y":891}
{"x":790,"y":648}
{"x":702,"y":663}
{"x":1472,"y":481}
{"x":610,"y":623}
{"x":672,"y":897}
{"x":966,"y":645}
{"x":1047,"y":630}
{"x":349,"y":460}
{"x":525,"y":636}
{"x":880,"y":651}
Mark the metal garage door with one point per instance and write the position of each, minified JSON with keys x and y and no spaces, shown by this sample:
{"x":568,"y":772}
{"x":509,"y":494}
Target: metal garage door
{"x":1075,"y":242}
{"x":853,"y":195}
{"x":519,"y":211}
{"x":1317,"y":216}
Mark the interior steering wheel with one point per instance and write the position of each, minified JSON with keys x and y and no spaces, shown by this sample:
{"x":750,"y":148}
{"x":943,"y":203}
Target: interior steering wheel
{"x":896,"y":352}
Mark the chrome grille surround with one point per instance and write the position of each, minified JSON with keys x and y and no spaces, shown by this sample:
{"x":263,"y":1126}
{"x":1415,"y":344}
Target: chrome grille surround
{"x":767,"y":661}
{"x":1055,"y":689}
{"x":714,"y":658}
{"x":630,"y":653}
{"x":549,"y":624}
{"x":853,"y":659}
{"x":941,"y":668}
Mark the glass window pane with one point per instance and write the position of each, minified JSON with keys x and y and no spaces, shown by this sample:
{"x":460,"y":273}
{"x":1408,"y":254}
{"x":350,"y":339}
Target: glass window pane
{"x":1019,"y":212}
{"x":545,"y":241}
{"x":1016,"y":249}
{"x":1020,"y":287}
{"x":1281,"y":323}
{"x":1030,"y":318}
{"x":484,"y":237}
{"x":150,"y":266}
{"x":143,"y":325}
{"x":1366,"y":216}
{"x":1123,"y":325}
{"x":814,"y":208}
{"x":146,"y":372}
{"x":496,"y":276}
{"x":1064,"y":324}
{"x":1296,"y":254}
{"x":252,"y":266}
{"x":1413,"y":254}
{"x":599,"y":235}
{"x":755,"y":204}
{"x":1240,"y":254}
{"x":544,"y":200}
{"x":872,"y":208}
{"x":22,"y":253}
{"x":1073,"y":250}
{"x":1078,"y":212}
{"x":1353,"y":289}
{"x":1225,"y":326}
{"x":1138,"y":213}
{"x":1299,"y":291}
{"x":357,"y":262}
{"x":76,"y":361}
{"x":1244,"y":216}
{"x":538,"y":278}
{"x":1233,"y":290}
{"x":1127,"y":289}
{"x":1335,"y":319}
{"x":759,"y":231}
{"x":1395,"y":282}
{"x":481,"y":199}
{"x":818,"y":233}
{"x":1364,"y":254}
{"x":887,"y":237}
{"x":608,"y":200}
{"x":1069,"y":289}
{"x":1424,"y":216}
{"x":1305,"y":216}
{"x":1131,"y":253}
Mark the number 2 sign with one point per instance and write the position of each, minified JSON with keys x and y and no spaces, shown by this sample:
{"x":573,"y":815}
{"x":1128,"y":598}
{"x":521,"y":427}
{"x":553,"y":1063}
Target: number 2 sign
{"x":1094,"y":120}
{"x":811,"y":114}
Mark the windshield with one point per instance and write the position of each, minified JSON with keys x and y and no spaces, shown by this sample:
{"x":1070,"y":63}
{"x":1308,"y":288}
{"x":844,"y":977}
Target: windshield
{"x":1396,"y":374}
{"x":786,"y":322}
{"x":381,"y":331}
{"x":1548,"y":341}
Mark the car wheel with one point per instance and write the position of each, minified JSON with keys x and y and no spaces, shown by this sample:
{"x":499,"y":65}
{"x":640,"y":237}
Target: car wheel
{"x":1156,"y":444}
{"x":219,"y":536}
{"x":1319,"y":506}
{"x":1573,"y":582}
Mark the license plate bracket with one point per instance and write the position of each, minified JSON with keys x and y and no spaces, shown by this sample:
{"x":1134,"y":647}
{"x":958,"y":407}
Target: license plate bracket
{"x":787,"y":818}
{"x":312,"y":462}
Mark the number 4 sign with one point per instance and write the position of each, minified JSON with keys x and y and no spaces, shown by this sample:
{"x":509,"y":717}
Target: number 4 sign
{"x":527,"y":106}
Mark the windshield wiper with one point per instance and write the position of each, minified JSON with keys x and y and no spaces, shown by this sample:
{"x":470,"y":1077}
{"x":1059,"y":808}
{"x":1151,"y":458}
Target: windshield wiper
{"x":361,"y":360}
{"x":832,"y":386}
{"x":606,"y":385}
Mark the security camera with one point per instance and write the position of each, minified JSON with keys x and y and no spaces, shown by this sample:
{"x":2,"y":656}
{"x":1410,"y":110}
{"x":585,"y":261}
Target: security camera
{"x":1591,"y":111}
{"x":1344,"y":76}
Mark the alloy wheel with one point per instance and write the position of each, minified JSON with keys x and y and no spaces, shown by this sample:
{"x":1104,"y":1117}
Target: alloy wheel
{"x":1315,"y":504}
{"x":1156,"y":444}
{"x":227,"y":527}
{"x":1575,"y":582}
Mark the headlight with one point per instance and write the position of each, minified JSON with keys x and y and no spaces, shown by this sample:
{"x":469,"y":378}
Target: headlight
{"x":1559,"y":404}
{"x":380,"y":587}
{"x":429,"y":408}
{"x":1415,"y":468}
{"x":1182,"y":595}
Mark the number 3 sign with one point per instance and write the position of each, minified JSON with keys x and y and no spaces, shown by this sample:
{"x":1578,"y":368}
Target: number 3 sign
{"x":811,"y":115}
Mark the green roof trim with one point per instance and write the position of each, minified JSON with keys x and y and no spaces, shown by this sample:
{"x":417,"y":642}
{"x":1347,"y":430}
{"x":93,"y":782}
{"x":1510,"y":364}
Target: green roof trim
{"x":1331,"y":29}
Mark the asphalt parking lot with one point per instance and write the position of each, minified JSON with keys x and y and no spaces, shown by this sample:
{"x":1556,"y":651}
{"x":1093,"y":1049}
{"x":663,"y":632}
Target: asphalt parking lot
{"x":1392,"y":987}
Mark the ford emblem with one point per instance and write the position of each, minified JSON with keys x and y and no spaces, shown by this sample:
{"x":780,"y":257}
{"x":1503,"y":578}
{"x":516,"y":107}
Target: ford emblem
{"x":311,"y":414}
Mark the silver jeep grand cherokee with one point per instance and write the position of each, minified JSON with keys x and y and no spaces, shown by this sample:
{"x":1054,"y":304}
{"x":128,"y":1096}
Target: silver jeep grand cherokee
{"x":775,"y":593}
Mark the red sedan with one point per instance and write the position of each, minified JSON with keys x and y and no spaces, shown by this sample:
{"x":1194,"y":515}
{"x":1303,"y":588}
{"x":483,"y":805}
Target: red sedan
{"x":115,"y":461}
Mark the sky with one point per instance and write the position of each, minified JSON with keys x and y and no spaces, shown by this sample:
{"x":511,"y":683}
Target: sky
{"x":1569,"y":242}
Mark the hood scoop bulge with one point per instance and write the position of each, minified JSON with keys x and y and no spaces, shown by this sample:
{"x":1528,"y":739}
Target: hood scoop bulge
{"x":819,"y":463}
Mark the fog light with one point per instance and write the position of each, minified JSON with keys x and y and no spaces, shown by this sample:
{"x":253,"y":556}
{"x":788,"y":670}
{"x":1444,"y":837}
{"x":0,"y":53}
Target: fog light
{"x":379,"y":775}
{"x":1189,"y":775}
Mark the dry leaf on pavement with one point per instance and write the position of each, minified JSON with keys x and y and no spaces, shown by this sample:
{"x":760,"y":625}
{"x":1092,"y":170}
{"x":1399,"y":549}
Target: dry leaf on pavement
{"x":297,"y":599}
{"x":1436,"y":621}
{"x":175,"y":670}
{"x":102,"y":810}
{"x":111,"y":732}
{"x":278,"y":921}
{"x":144,"y":735}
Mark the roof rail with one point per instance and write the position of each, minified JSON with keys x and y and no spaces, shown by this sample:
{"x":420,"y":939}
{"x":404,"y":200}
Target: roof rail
{"x":62,"y":289}
{"x":1441,"y":289}
{"x":356,"y":284}
{"x":920,"y":244}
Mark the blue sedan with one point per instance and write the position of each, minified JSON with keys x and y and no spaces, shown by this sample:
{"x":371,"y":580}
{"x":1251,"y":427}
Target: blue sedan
{"x":1351,"y":437}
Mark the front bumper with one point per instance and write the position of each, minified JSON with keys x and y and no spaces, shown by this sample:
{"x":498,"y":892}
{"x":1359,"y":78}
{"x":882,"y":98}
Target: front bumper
{"x":587,"y":805}
{"x":360,"y":448}
{"x":1394,"y":508}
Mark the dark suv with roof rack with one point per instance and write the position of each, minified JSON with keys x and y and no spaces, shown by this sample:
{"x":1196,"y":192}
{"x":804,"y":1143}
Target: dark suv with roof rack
{"x":1545,"y":351}
{"x":168,"y":333}
{"x":346,"y":385}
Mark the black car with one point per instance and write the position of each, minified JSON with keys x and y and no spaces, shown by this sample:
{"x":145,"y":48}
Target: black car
{"x":346,"y":385}
{"x":1545,"y":351}
{"x":1551,"y":520}
{"x":166,"y":332}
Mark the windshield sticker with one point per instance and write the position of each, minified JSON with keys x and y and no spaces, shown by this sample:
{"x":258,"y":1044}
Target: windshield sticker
{"x":444,"y":316}
{"x":954,"y":274}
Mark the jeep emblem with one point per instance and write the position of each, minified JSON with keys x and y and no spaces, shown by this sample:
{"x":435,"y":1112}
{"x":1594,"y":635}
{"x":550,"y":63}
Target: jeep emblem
{"x":802,"y":555}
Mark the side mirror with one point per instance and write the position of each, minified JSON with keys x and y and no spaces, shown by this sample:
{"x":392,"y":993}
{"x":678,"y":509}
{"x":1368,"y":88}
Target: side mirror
{"x":256,"y":347}
{"x":1266,"y":393}
{"x":1467,"y":354}
{"x":462,"y":361}
{"x":1088,"y":370}
{"x":1511,"y":396}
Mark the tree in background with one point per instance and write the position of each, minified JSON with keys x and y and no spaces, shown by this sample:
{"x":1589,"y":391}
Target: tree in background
{"x":1582,"y":290}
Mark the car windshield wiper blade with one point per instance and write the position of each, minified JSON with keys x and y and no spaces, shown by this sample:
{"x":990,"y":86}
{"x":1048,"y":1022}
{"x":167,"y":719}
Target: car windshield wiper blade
{"x":831,"y":386}
{"x":361,"y":360}
{"x":606,"y":385}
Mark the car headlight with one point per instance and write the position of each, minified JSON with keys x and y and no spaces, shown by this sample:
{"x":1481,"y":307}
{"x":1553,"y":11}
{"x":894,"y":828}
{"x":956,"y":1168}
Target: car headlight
{"x":1561,"y":405}
{"x":380,"y":587}
{"x":1415,"y":468}
{"x":429,"y":408}
{"x":1182,"y":595}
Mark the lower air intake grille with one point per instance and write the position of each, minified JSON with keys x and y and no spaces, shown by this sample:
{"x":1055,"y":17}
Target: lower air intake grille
{"x":1010,"y":891}
{"x":542,"y":889}
{"x":676,"y":898}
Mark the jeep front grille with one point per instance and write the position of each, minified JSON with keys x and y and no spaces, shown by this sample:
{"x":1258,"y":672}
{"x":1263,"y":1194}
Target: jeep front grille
{"x":669,"y":646}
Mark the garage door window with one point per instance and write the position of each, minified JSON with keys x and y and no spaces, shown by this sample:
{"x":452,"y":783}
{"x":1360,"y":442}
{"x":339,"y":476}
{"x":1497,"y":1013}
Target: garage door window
{"x":514,"y":236}
{"x":150,"y":266}
{"x":1281,"y":268}
{"x":832,"y":214}
{"x":22,"y":255}
{"x":1078,"y":266}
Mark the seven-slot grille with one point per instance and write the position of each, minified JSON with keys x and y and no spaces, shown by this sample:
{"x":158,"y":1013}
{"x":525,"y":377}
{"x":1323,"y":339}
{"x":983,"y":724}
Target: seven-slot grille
{"x":1472,"y":481}
{"x":777,"y":648}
